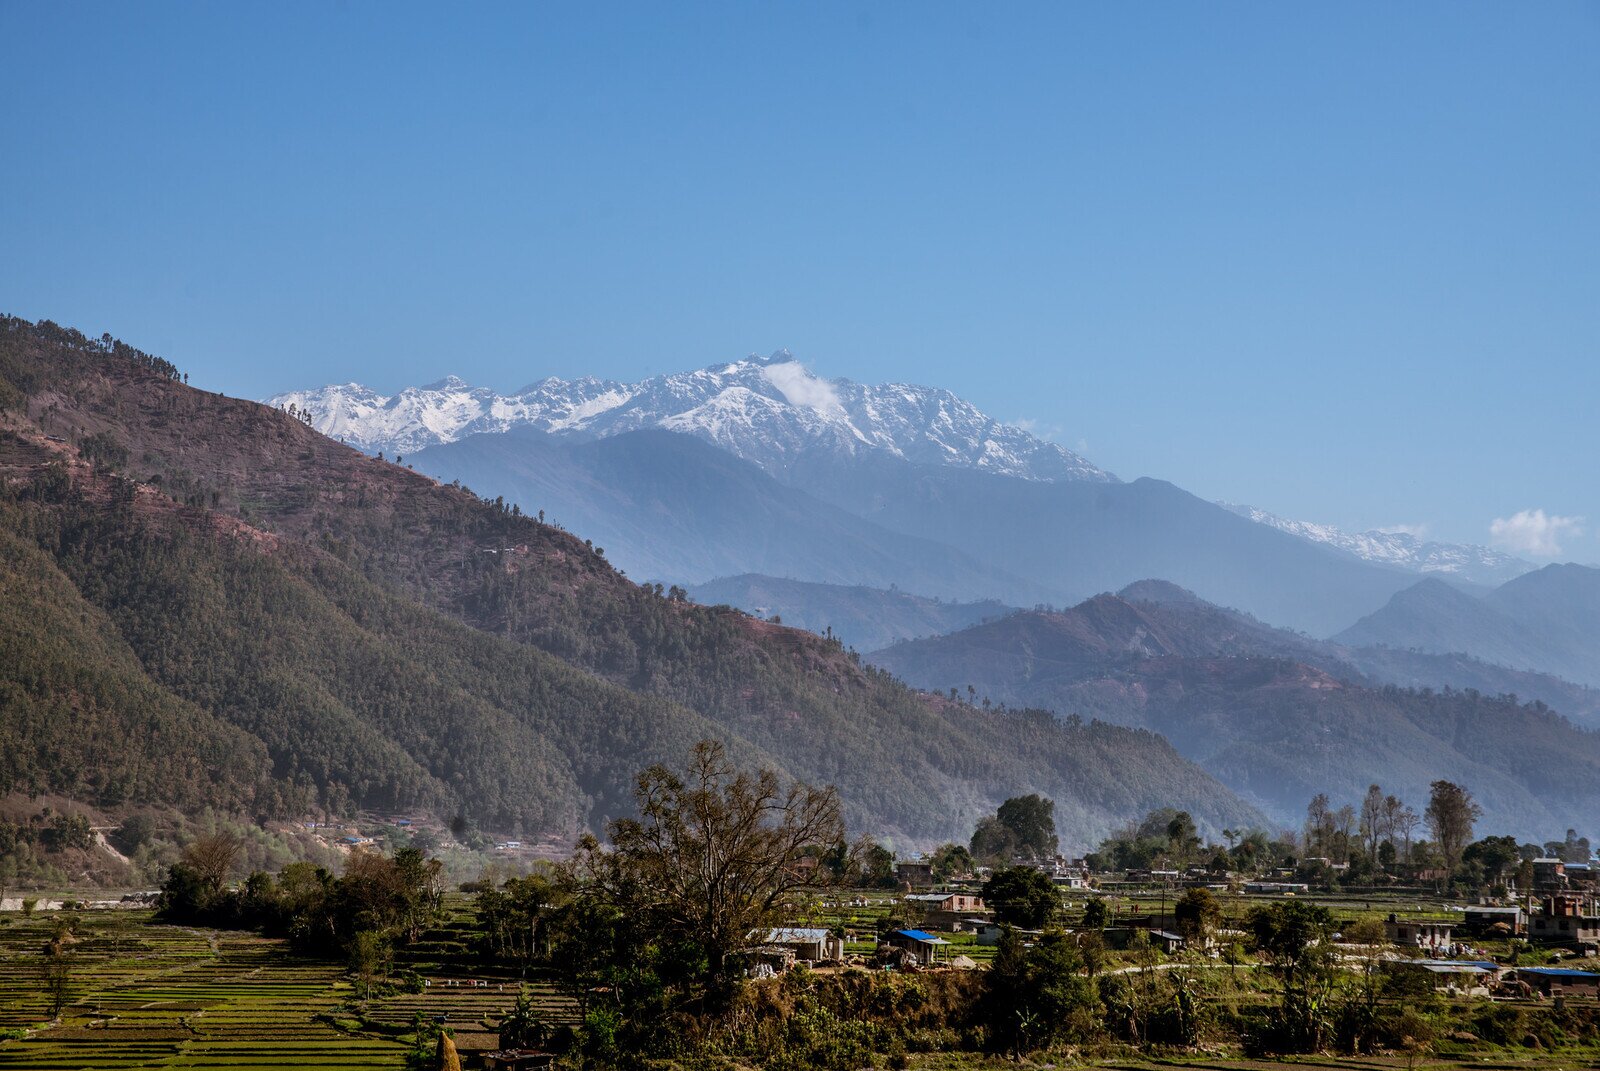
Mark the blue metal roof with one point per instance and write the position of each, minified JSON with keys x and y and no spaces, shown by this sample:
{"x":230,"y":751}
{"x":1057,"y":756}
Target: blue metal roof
{"x":1559,"y":972}
{"x":920,"y":935}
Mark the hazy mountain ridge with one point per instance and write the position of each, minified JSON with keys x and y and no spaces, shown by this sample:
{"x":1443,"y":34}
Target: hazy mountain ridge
{"x":1079,"y":538}
{"x":1405,"y":550}
{"x":1545,"y":621}
{"x":865,"y":618}
{"x":765,"y":410}
{"x":1275,"y":714}
{"x":673,"y":508}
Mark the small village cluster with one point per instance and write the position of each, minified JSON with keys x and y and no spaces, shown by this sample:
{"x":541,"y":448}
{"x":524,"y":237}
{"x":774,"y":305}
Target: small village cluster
{"x":1559,"y":913}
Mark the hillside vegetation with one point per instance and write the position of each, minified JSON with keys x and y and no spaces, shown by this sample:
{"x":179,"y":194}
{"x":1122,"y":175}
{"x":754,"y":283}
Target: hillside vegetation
{"x":361,"y":636}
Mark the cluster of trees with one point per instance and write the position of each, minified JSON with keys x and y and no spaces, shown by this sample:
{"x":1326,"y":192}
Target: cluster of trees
{"x":1023,"y":827}
{"x":377,"y":903}
{"x":1380,"y":834}
{"x":1347,"y":845}
{"x":651,"y":929}
{"x":1167,"y":836}
{"x":31,"y":849}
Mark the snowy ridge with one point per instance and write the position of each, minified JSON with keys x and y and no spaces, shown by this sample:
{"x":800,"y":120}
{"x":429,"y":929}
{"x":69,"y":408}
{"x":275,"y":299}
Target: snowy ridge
{"x":765,"y":410}
{"x":1405,"y":550}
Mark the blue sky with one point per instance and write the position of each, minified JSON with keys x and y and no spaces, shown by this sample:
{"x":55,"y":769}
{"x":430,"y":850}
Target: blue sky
{"x":1338,"y":262}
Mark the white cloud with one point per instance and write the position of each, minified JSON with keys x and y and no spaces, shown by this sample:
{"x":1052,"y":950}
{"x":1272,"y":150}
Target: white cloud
{"x":800,"y":388}
{"x":1037,"y":428}
{"x":1534,"y":532}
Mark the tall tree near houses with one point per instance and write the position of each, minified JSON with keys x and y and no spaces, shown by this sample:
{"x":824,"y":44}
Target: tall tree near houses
{"x":1451,"y":815}
{"x":1319,"y":825}
{"x":1032,"y":819}
{"x":1372,"y":820}
{"x":1402,"y":821}
{"x":1344,"y":826}
{"x":713,"y":855}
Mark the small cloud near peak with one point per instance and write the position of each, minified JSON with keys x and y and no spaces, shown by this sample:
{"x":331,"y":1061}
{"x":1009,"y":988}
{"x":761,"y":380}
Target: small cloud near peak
{"x":1415,"y":531}
{"x":1534,"y":532}
{"x":801,"y":388}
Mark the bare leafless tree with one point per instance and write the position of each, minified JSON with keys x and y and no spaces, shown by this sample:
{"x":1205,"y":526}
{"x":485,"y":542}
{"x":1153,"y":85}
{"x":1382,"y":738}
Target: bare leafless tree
{"x":211,"y":857}
{"x":715,"y":852}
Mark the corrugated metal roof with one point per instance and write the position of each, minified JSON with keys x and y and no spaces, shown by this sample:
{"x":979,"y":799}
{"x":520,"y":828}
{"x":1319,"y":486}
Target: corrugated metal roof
{"x":919,"y":935}
{"x":786,"y":935}
{"x":1560,"y":972}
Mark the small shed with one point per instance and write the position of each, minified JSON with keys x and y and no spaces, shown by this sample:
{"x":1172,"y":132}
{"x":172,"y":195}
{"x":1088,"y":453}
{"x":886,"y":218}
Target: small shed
{"x":1560,"y":981}
{"x":924,"y":947}
{"x":1456,"y":974}
{"x":1485,"y":920}
{"x":811,"y":945}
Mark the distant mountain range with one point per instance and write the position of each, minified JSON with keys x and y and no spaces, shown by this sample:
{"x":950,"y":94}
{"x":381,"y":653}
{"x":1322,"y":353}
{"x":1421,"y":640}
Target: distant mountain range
{"x":672,"y":508}
{"x":956,"y":504}
{"x":1404,"y":550}
{"x":1274,"y":714}
{"x":768,"y":411}
{"x":842,"y":441}
{"x":1546,"y":621}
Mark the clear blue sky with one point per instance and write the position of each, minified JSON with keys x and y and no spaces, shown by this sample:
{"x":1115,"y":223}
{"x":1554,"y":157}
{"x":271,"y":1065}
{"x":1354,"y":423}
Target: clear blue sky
{"x":1341,"y":262}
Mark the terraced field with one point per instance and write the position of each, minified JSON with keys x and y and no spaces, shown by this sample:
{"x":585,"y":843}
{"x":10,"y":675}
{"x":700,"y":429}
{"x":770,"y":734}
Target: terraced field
{"x":161,"y":996}
{"x":152,"y":996}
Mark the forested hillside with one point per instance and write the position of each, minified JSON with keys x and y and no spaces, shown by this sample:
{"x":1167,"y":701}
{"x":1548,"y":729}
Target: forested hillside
{"x":360,"y":635}
{"x":1275,"y":715}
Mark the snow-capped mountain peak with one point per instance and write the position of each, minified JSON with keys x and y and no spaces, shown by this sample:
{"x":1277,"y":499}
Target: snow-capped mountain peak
{"x":767,"y":410}
{"x":1401,"y":548}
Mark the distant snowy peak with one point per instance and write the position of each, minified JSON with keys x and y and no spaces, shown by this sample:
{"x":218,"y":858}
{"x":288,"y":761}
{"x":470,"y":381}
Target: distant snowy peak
{"x":1405,"y":550}
{"x":767,"y":410}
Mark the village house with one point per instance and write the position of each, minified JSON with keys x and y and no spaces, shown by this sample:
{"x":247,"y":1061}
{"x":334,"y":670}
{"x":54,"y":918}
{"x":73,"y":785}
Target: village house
{"x":1122,"y":937}
{"x":1458,"y":976}
{"x":1276,"y":888}
{"x":1414,"y":933}
{"x":1566,"y":920}
{"x":988,"y":932}
{"x":946,"y":910}
{"x":1549,"y":874}
{"x":914,"y":875}
{"x":924,"y":948}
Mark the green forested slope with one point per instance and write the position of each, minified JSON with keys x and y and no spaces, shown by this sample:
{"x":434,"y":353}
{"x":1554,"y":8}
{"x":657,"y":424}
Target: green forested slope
{"x":79,"y":716}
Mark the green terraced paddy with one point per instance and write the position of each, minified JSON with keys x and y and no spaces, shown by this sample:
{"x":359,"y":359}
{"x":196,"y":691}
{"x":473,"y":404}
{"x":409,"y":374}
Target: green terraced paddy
{"x":149,"y":996}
